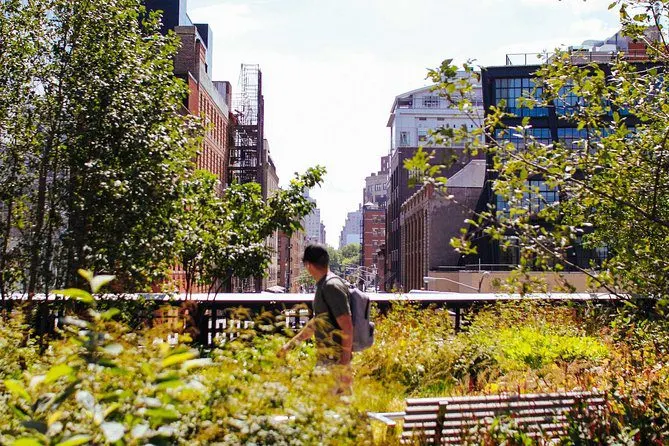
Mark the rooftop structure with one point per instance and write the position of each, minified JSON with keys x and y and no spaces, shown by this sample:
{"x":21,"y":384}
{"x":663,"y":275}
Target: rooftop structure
{"x":247,"y":156}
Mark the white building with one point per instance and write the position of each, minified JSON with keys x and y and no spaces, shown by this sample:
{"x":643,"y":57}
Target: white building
{"x":352,"y":230}
{"x":416,"y":112}
{"x":412,"y":116}
{"x":313,"y":224}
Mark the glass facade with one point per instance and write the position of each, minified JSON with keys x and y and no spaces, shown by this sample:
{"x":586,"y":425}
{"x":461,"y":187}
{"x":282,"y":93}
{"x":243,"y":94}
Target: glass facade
{"x":570,"y":135}
{"x":512,"y":90}
{"x":567,"y":102}
{"x":539,"y":197}
{"x":540,"y":134}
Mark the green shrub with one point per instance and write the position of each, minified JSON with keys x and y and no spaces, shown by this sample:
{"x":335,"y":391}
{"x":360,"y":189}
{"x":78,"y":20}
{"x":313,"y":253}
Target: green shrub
{"x":409,"y":346}
{"x":17,"y":350}
{"x":103,"y":383}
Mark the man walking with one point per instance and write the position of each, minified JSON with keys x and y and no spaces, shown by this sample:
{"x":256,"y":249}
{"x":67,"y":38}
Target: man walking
{"x":332,"y":325}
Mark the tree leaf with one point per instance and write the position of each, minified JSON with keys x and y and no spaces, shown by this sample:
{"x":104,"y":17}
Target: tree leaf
{"x":16,"y":387}
{"x":178,"y":358}
{"x":76,"y":293}
{"x":86,"y":274}
{"x":98,"y":282}
{"x":58,"y":371}
{"x":75,"y":440}
{"x":163,"y":414}
{"x":28,"y":441}
{"x":110,"y":314}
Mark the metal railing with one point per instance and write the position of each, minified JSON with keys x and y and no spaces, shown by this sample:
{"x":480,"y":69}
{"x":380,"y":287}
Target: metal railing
{"x":576,"y":57}
{"x":224,"y":317}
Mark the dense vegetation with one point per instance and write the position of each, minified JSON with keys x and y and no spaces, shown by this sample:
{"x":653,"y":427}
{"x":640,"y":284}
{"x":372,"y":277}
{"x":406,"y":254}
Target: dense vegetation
{"x":100,"y":381}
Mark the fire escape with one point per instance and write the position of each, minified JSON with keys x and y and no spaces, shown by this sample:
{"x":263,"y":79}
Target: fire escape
{"x":247,"y":157}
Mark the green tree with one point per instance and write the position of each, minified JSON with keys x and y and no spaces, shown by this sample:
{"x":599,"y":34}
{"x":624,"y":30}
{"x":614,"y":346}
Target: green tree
{"x":335,"y":261}
{"x":94,"y":144}
{"x":306,"y":280}
{"x":612,"y":184}
{"x":225,"y":237}
{"x":350,"y":254}
{"x":22,"y":31}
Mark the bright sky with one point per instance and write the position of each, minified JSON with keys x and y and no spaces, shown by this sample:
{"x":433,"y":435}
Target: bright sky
{"x":332,"y":68}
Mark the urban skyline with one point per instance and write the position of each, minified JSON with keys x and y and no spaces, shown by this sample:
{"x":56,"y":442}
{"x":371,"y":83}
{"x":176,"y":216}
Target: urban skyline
{"x":371,"y":71}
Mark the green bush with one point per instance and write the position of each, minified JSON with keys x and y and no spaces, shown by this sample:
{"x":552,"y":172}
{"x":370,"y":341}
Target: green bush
{"x":106,"y":382}
{"x":409,"y":347}
{"x":103,"y":383}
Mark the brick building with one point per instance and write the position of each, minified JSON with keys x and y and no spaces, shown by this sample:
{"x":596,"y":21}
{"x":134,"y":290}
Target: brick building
{"x":373,"y":236}
{"x":429,"y":221}
{"x":290,"y":260}
{"x":209,"y":99}
{"x":272,"y":184}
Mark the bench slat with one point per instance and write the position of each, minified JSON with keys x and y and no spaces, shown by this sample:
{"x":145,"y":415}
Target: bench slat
{"x":499,"y":398}
{"x":539,"y":415}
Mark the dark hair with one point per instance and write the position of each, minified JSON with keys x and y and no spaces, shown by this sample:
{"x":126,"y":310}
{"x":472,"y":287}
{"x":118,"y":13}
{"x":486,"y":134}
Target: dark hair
{"x":317,"y":255}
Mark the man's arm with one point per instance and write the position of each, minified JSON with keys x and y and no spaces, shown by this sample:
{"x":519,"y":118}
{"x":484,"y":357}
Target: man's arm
{"x":304,"y":334}
{"x":345,"y":322}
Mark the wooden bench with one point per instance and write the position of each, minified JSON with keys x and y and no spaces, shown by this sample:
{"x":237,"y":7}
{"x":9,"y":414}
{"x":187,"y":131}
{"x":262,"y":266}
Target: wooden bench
{"x":447,"y":420}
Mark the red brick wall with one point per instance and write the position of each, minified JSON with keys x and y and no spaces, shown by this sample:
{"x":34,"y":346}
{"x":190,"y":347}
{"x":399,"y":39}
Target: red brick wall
{"x":373,"y":234}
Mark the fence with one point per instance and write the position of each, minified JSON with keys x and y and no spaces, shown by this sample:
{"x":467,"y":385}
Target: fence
{"x":224,"y":316}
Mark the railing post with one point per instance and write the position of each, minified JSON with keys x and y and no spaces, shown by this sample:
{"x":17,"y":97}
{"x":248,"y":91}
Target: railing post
{"x":457,"y":318}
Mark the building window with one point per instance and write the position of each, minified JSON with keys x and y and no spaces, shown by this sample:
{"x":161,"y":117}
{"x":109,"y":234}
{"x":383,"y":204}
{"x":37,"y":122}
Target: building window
{"x":539,"y":197}
{"x":567,"y":102}
{"x":541,"y":135}
{"x":512,"y":90}
{"x":571,"y":136}
{"x":404,"y":138}
{"x":422,"y":135}
{"x":431,"y":101}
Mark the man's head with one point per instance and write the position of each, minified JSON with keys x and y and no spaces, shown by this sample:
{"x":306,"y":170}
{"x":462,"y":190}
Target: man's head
{"x":316,"y":260}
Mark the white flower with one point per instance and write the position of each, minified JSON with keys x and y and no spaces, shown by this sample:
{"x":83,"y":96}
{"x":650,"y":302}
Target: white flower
{"x":85,"y":399}
{"x":113,"y":431}
{"x":139,"y":431}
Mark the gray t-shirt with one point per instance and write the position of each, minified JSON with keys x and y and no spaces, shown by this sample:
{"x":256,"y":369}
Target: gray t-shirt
{"x":330,"y":302}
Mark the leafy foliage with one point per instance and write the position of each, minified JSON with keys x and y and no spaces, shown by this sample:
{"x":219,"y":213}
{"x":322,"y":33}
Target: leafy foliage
{"x":106,"y":384}
{"x":611,"y":181}
{"x":225,"y":237}
{"x":97,"y":158}
{"x":103,"y":382}
{"x":94,"y":144}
